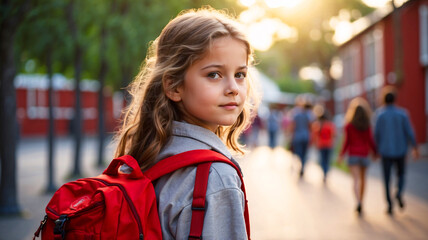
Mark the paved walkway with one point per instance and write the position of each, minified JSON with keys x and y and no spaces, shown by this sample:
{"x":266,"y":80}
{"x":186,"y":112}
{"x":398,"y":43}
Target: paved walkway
{"x":282,"y":206}
{"x":32,"y":180}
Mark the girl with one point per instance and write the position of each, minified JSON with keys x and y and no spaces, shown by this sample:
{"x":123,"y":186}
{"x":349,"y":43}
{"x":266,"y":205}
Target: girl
{"x":323,"y":138}
{"x":358,"y":144}
{"x":193,"y":93}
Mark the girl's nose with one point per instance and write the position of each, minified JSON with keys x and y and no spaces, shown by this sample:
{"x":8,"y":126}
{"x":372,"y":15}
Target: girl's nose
{"x":232,"y":87}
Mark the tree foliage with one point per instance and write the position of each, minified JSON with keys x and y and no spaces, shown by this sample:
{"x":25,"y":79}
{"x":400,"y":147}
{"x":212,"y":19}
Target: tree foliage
{"x":284,"y":59}
{"x":131,"y":24}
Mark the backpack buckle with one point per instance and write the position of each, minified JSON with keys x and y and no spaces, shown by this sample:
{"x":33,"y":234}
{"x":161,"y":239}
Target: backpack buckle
{"x":198,"y":208}
{"x":60,"y":225}
{"x":194,"y":237}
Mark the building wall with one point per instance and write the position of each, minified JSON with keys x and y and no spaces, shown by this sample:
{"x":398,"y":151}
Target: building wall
{"x":411,"y":91}
{"x":33,"y":112}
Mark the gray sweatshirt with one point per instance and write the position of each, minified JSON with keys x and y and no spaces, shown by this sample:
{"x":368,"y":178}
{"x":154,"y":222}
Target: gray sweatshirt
{"x":224,"y":217}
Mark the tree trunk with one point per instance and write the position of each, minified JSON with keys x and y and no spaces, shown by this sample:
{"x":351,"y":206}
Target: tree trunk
{"x":125,"y":69}
{"x":13,"y":13}
{"x":51,"y":187}
{"x":102,"y":76}
{"x":77,"y":119}
{"x":126,"y":74}
{"x":8,"y":123}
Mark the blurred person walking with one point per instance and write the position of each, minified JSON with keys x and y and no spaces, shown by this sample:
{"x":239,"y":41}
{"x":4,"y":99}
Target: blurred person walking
{"x":254,"y":133}
{"x":300,"y":128}
{"x":357,"y":144}
{"x":393,"y":133}
{"x":273,"y":125}
{"x":323,"y":130}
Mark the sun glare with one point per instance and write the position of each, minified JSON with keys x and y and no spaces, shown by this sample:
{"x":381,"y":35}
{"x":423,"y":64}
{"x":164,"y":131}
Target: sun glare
{"x":263,"y":33}
{"x":247,"y":3}
{"x":282,"y":3}
{"x":258,"y":40}
{"x":312,"y":72}
{"x":343,"y":31}
{"x":252,"y":14}
{"x":382,"y":3}
{"x":336,"y":68}
{"x":376,"y":3}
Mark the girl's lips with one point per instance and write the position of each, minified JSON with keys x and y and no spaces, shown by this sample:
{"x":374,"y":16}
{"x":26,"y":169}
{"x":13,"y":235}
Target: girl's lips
{"x":230,"y":106}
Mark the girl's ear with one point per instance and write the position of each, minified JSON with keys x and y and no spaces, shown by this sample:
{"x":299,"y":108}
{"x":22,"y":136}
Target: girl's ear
{"x":171,"y":92}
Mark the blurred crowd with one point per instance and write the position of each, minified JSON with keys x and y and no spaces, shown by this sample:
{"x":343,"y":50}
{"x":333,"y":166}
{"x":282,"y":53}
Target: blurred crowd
{"x":364,"y":136}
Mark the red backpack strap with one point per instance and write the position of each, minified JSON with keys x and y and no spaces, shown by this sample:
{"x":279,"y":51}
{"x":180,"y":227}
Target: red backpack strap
{"x":195,"y":157}
{"x":184,"y":159}
{"x":198,"y":203}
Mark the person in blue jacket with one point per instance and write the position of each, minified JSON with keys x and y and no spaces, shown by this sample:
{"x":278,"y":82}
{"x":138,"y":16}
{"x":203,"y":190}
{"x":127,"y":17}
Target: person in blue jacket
{"x":300,"y":128}
{"x":393,"y":133}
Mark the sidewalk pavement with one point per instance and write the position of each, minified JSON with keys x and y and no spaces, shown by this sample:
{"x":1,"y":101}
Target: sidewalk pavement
{"x":32,"y":180}
{"x":282,"y":206}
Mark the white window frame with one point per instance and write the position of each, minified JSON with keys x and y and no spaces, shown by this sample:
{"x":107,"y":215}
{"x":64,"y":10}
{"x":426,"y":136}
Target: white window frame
{"x":423,"y":20}
{"x":349,"y":85}
{"x":423,"y":40}
{"x":374,"y":79}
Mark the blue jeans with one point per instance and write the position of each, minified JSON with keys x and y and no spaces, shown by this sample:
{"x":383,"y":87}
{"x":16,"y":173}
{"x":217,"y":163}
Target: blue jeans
{"x":400,"y":166}
{"x":325,"y":160}
{"x":358,"y":160}
{"x":300,"y":149}
{"x":273,"y":139}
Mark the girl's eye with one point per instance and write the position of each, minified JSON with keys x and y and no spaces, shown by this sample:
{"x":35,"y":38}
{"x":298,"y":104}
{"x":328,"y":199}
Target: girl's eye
{"x":240,"y":75}
{"x":214,"y":75}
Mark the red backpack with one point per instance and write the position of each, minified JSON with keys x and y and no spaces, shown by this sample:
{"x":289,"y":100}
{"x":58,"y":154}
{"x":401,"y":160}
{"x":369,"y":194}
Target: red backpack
{"x":123,"y":206}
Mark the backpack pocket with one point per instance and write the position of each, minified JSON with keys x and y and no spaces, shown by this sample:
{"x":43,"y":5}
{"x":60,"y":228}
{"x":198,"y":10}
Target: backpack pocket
{"x":83,"y":219}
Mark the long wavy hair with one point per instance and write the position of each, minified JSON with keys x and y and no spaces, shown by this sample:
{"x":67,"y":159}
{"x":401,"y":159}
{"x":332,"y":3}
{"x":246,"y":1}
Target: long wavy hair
{"x":359,"y":113}
{"x":147,"y":121}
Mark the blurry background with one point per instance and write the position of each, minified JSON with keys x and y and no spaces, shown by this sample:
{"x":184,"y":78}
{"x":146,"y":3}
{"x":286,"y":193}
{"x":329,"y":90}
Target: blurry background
{"x":64,"y":65}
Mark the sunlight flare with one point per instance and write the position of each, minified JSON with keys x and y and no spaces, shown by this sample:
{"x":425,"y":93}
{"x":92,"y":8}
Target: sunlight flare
{"x":262,"y":34}
{"x":382,"y":3}
{"x":247,"y":3}
{"x":343,"y":31}
{"x":282,"y":3}
{"x":312,"y":72}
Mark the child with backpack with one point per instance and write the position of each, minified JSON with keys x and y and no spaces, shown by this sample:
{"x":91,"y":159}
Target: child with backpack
{"x":193,"y":93}
{"x":358,"y":143}
{"x":190,"y":102}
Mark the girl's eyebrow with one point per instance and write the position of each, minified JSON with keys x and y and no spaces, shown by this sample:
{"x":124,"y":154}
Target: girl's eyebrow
{"x":213,"y":66}
{"x":221,"y":66}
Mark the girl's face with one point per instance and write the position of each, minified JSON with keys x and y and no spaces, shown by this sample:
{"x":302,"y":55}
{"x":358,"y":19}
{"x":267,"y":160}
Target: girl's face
{"x":215,"y":89}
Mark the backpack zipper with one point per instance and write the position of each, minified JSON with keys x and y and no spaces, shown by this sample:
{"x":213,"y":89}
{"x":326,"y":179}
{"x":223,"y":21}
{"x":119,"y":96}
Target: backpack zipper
{"x":42,"y":224}
{"x":80,"y":212}
{"x":130,"y":203}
